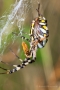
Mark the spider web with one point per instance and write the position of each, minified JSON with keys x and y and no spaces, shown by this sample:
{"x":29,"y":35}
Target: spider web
{"x":14,"y":17}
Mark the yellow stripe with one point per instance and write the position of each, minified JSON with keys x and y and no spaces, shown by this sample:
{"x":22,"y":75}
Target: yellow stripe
{"x":32,"y":30}
{"x":31,"y":34}
{"x":44,"y":35}
{"x":42,"y":21}
{"x":45,"y":27}
{"x":32,"y":25}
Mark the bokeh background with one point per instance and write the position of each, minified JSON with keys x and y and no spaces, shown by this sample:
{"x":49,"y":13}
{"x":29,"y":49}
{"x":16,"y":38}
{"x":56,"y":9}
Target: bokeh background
{"x":44,"y":74}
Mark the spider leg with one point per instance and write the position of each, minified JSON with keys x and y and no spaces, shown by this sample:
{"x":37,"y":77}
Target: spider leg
{"x":4,"y":70}
{"x":18,"y":67}
{"x":23,"y":37}
{"x":16,"y":55}
{"x":4,"y":62}
{"x":38,"y":9}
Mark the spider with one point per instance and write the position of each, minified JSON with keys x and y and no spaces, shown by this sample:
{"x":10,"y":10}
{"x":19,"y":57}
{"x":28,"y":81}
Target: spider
{"x":39,"y":34}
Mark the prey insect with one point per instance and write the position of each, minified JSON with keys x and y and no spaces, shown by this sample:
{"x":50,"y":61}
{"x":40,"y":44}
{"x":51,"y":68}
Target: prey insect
{"x":39,"y":34}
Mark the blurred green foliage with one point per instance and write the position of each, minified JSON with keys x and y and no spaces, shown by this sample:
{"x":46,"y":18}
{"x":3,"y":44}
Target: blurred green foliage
{"x":5,"y":5}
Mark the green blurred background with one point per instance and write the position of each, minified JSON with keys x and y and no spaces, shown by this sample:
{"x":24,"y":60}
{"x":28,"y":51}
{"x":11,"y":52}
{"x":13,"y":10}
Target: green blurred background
{"x":44,"y":74}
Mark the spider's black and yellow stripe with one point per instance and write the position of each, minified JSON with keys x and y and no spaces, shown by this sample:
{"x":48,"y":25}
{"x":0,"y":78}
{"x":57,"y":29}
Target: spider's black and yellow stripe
{"x":32,"y":30}
{"x":44,"y":32}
